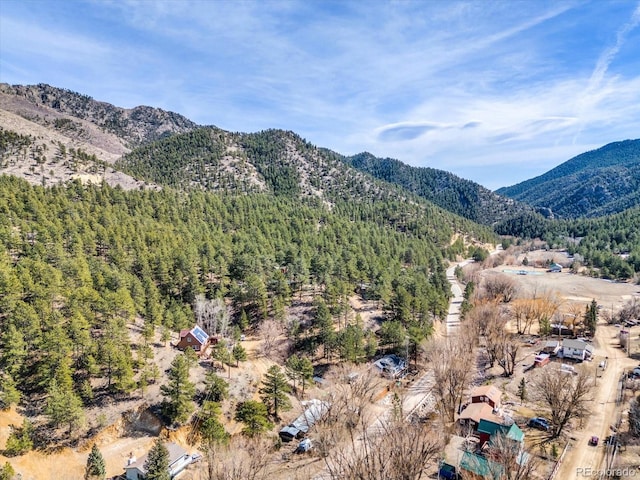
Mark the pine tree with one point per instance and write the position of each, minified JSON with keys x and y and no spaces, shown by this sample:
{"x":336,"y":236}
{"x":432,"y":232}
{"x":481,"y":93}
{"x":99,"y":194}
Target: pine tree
{"x":157,"y":464}
{"x":179,"y":391}
{"x":274,"y":391}
{"x":211,"y":430}
{"x":9,"y":393}
{"x":64,"y":407}
{"x":7,"y":472}
{"x":591,"y":317}
{"x":254,"y":416}
{"x":95,"y":469}
{"x":522,"y":390}
{"x":216,"y":388}
{"x":239,"y":353}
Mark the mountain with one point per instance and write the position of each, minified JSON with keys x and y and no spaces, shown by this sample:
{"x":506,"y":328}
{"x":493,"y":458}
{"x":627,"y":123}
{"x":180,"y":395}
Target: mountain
{"x":457,"y":195}
{"x":595,"y":183}
{"x":51,"y":135}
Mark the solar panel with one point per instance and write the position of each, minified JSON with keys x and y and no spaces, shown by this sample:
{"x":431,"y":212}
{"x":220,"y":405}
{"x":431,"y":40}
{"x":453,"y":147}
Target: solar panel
{"x":200,"y":334}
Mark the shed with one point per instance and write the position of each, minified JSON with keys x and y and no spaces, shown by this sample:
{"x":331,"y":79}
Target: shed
{"x":552,"y":347}
{"x":542,"y":359}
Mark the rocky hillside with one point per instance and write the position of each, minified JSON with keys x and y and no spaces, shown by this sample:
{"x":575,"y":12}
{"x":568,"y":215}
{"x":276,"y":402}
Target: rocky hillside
{"x":50,"y":135}
{"x":595,"y":183}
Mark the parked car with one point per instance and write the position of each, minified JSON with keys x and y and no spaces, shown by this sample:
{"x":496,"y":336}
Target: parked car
{"x":593,"y":441}
{"x":539,"y":423}
{"x":448,"y":472}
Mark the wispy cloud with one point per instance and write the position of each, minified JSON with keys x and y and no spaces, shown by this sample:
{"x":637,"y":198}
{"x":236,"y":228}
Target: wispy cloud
{"x":461,"y":85}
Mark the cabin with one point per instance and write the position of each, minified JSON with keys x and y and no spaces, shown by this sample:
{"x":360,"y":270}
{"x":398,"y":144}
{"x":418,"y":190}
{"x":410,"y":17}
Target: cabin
{"x":314,"y":411}
{"x":196,"y":338}
{"x":179,"y":459}
{"x":487,"y":394}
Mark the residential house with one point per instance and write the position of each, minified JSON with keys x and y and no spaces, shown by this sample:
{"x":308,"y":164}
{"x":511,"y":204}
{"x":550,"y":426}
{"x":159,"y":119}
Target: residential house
{"x":576,"y":349}
{"x":487,"y":394}
{"x":391,"y":366}
{"x":487,"y":429}
{"x":179,"y":459}
{"x":555,"y":268}
{"x":475,"y":412}
{"x":480,"y":467}
{"x":314,"y":411}
{"x":483,"y":464}
{"x":196,"y":338}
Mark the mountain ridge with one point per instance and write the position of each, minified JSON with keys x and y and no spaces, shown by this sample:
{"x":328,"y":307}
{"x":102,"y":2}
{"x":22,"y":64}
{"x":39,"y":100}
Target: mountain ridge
{"x":599,"y":182}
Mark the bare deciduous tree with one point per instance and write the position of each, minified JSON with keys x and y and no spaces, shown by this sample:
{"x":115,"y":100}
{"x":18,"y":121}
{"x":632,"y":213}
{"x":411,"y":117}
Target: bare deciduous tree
{"x":212,"y":315}
{"x":527,"y":311}
{"x":567,"y":395}
{"x":269,"y":332}
{"x":500,"y":288}
{"x":634,"y":417}
{"x":397,"y":450}
{"x":452,"y":361}
{"x":508,"y":353}
{"x":510,"y":459}
{"x":243,"y":458}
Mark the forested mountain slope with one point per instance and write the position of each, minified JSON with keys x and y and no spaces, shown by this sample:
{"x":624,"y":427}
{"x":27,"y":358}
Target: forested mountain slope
{"x":278,"y":162}
{"x":599,"y":182}
{"x":80,"y":263}
{"x":464,"y":197}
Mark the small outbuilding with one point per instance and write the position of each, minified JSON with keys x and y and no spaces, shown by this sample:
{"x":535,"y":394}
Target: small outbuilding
{"x":314,"y":411}
{"x":542,"y":359}
{"x":552,"y":347}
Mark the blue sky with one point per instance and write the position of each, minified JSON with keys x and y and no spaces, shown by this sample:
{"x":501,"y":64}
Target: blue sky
{"x":493,"y":91}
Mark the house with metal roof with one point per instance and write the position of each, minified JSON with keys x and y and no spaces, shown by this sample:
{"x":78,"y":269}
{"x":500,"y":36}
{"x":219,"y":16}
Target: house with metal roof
{"x":196,"y":338}
{"x":391,"y":366}
{"x":179,"y":459}
{"x":479,"y":466}
{"x":488,"y":429}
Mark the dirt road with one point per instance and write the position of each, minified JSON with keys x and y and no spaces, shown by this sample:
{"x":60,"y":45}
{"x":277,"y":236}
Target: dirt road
{"x":580,"y":454}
